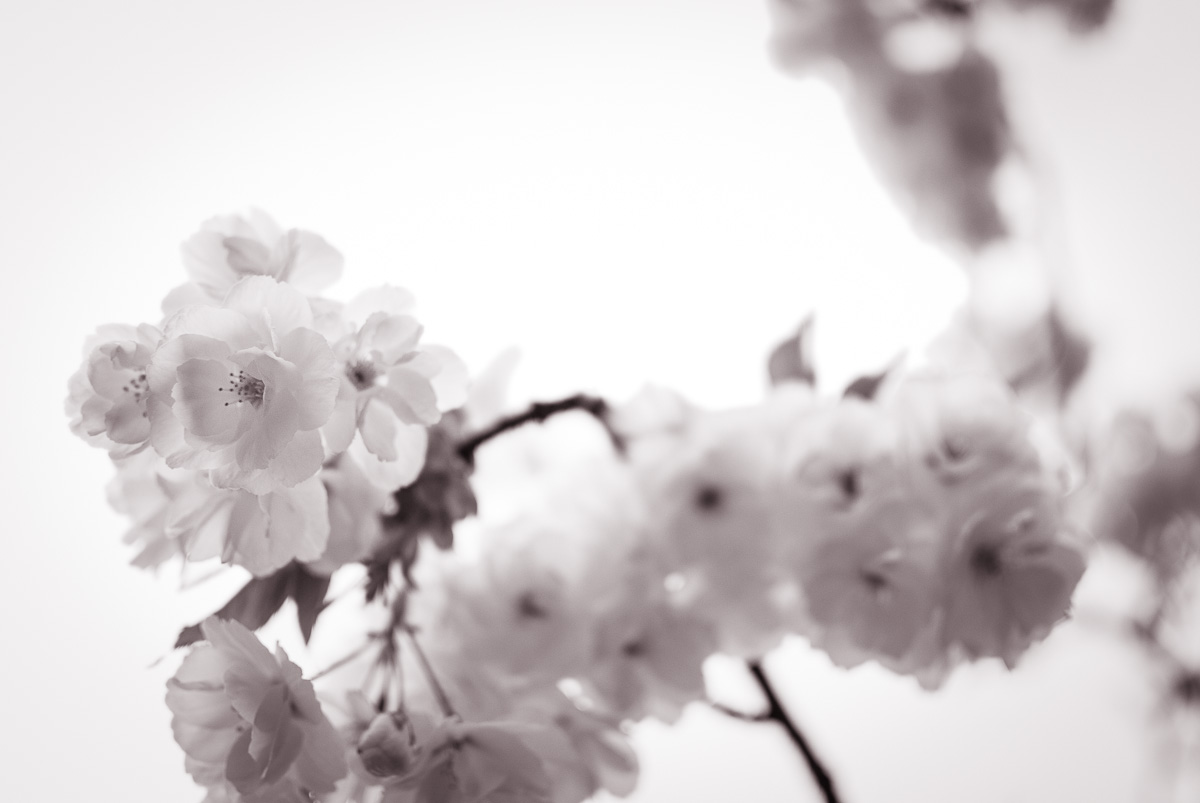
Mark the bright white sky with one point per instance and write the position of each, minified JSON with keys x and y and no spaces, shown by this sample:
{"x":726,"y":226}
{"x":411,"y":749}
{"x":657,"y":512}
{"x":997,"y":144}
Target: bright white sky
{"x":627,"y":191}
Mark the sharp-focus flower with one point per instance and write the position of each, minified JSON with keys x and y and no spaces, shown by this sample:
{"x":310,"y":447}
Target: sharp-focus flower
{"x":241,"y":390}
{"x":392,"y":388}
{"x":1010,"y":577}
{"x":176,"y":512}
{"x":251,"y":726}
{"x":259,"y":532}
{"x":108,"y":395}
{"x":229,"y":248}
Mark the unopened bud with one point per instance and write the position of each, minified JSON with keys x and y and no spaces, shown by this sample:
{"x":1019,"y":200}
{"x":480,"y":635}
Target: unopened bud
{"x":388,"y":746}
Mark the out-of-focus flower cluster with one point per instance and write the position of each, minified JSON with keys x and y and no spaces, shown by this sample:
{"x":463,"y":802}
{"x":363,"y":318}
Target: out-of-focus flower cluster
{"x":913,"y":522}
{"x":926,"y":102}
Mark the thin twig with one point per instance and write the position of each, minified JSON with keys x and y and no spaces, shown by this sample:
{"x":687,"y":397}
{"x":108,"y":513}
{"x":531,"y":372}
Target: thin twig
{"x":777,"y":713}
{"x":539,"y":412}
{"x":734,"y":713}
{"x":338,"y":664}
{"x":438,"y":692}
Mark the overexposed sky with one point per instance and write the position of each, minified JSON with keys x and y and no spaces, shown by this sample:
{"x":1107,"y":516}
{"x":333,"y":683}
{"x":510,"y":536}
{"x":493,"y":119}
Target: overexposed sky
{"x":629,"y":192}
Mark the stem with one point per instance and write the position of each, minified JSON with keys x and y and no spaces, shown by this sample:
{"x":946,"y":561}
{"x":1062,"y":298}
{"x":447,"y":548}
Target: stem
{"x":777,"y":713}
{"x":438,"y":692}
{"x":539,"y":412}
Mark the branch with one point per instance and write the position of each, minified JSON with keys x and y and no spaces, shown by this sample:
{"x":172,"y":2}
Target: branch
{"x":777,"y":713}
{"x":539,"y":412}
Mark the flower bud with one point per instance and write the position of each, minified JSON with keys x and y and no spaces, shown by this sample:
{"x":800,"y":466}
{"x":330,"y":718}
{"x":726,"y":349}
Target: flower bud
{"x":388,"y":746}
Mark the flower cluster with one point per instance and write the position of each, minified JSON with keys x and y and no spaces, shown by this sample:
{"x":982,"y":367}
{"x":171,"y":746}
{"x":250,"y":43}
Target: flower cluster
{"x":221,"y":417}
{"x":913,"y":522}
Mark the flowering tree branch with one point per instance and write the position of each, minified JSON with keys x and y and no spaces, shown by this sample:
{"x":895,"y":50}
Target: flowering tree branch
{"x":777,"y":713}
{"x":539,"y":412}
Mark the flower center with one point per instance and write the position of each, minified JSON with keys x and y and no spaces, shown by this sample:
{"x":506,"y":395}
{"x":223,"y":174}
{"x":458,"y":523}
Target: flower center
{"x":362,"y":373}
{"x":245,"y":388}
{"x":985,"y":561}
{"x":137,"y":386}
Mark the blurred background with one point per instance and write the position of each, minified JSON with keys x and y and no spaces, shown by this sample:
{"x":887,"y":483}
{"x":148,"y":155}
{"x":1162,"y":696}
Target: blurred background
{"x":628,"y":192}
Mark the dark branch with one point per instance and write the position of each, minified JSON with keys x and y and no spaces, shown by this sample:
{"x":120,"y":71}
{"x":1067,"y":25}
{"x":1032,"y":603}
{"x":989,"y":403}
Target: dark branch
{"x":539,"y":412}
{"x":777,"y":713}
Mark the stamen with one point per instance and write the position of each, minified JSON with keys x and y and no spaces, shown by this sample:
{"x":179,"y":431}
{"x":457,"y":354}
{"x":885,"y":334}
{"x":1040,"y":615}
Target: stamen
{"x":245,"y":388}
{"x":138,"y":386}
{"x":362,"y":373}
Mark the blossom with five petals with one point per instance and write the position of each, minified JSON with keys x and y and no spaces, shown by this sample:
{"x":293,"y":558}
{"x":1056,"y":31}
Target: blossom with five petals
{"x":392,"y":388}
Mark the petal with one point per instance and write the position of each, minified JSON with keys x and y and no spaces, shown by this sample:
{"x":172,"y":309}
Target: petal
{"x":391,"y":337}
{"x":127,"y":423}
{"x":207,"y":400}
{"x":338,"y":431}
{"x":313,"y":357}
{"x":204,"y":259}
{"x":410,"y":442}
{"x":313,"y":263}
{"x":267,"y":303}
{"x":377,"y":423}
{"x":272,"y":426}
{"x":247,"y":657}
{"x":299,"y":460}
{"x":387,"y":299}
{"x":445,"y":372}
{"x":299,"y":521}
{"x":411,"y":396}
{"x":188,"y":295}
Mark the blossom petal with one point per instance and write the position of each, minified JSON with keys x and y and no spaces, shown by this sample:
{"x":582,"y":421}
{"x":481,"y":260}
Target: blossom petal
{"x":314,"y":264}
{"x":411,"y":396}
{"x":207,"y":400}
{"x":274,"y":308}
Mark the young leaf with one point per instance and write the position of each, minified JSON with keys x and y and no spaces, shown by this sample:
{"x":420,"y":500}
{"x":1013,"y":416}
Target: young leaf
{"x":308,"y":590}
{"x":792,"y":361}
{"x":257,"y":602}
{"x":866,"y":386}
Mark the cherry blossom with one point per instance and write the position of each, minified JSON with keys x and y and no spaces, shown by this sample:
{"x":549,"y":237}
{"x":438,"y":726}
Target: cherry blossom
{"x":229,"y":248}
{"x":108,"y":395}
{"x":251,"y":726}
{"x":241,"y":390}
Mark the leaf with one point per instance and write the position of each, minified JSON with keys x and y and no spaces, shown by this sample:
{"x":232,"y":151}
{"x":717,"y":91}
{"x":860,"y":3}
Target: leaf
{"x":792,"y":360}
{"x":308,"y":590}
{"x":866,"y":386}
{"x":257,"y":602}
{"x":440,"y":496}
